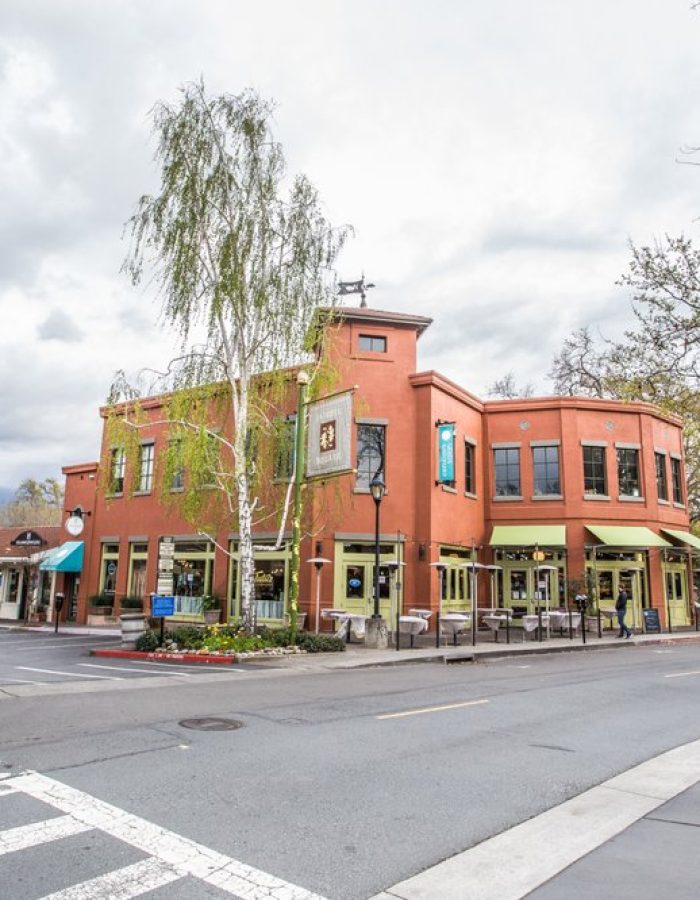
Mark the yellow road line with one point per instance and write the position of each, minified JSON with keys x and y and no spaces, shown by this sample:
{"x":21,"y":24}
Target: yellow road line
{"x":430,"y":709}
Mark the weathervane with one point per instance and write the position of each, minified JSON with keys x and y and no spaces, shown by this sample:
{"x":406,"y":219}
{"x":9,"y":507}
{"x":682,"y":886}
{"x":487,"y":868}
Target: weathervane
{"x":355,"y":287}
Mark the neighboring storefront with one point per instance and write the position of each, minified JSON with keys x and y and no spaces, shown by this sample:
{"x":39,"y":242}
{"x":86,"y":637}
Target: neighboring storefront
{"x":21,"y":581}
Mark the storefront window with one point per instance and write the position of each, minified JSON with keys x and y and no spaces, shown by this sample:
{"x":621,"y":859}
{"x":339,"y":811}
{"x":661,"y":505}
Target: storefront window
{"x":192,"y":575}
{"x":138,"y":566}
{"x":109,"y":570}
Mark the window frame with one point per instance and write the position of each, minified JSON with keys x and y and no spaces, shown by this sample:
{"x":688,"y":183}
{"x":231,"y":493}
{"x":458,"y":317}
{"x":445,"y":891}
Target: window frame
{"x":677,"y":480}
{"x":117,"y":469}
{"x":147,"y":462}
{"x":371,"y":468}
{"x":661,"y":476}
{"x":592,"y":475}
{"x":470,"y":467}
{"x":623,"y":473}
{"x":508,"y":465}
{"x":545,"y":464}
{"x":372,"y":340}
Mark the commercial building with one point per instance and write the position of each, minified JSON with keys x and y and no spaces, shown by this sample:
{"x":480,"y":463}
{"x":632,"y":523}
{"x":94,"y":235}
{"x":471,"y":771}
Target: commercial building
{"x":551,"y":492}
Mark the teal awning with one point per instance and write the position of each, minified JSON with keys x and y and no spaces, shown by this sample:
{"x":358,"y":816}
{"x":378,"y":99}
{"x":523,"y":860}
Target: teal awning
{"x":66,"y":558}
{"x":528,"y":536}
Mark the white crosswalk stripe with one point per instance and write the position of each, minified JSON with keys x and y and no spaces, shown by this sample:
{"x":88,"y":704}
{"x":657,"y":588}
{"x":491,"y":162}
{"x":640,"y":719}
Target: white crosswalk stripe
{"x":25,"y":836}
{"x":122,"y":884}
{"x":170,"y":856}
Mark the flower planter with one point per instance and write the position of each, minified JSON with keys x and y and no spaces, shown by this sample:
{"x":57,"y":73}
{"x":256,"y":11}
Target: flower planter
{"x":212,"y":616}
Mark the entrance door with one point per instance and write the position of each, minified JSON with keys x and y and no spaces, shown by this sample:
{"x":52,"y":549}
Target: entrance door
{"x":629,"y":580}
{"x":677,"y":595}
{"x":517,"y":590}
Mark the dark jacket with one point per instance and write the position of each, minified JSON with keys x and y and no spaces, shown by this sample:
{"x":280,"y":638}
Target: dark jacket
{"x":621,"y":602}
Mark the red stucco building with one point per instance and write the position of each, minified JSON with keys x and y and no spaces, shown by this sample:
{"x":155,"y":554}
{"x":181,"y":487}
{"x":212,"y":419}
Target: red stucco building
{"x":594,"y":489}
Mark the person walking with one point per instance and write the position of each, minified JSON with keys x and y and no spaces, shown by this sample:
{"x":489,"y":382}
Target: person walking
{"x":621,"y":609}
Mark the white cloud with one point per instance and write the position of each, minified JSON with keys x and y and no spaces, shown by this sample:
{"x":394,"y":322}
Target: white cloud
{"x":495,"y":160}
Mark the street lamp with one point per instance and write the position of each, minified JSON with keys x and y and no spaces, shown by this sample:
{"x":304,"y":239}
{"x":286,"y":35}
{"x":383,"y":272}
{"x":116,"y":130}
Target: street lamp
{"x":377,"y":489}
{"x":440,"y":566}
{"x":319,"y":562}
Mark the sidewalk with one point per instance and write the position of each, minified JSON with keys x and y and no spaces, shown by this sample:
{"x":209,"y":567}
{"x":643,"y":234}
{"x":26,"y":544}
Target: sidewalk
{"x":356,"y":655}
{"x":634,"y":837}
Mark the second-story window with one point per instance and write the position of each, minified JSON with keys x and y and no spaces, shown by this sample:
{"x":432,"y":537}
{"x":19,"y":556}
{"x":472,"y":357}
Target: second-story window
{"x":628,"y":472}
{"x":285,"y":433}
{"x":372,"y":343}
{"x":118,"y":467}
{"x":506,"y":464}
{"x":176,"y":465}
{"x":594,"y":480}
{"x":146,"y":467}
{"x":676,"y":479}
{"x":469,"y":468}
{"x":545,"y":465}
{"x":661,"y":482}
{"x":370,"y":454}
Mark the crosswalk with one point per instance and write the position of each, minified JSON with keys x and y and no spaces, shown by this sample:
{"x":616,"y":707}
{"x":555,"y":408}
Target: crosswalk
{"x":169,"y":857}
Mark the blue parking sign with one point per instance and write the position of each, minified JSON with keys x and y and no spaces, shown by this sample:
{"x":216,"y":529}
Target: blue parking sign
{"x":162,"y":606}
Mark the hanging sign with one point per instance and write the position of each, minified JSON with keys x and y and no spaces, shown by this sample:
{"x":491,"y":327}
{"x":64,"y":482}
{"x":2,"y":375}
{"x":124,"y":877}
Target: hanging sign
{"x":330,"y":430}
{"x":446,"y":453}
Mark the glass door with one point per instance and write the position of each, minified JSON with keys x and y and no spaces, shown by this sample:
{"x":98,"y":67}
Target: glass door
{"x":677,"y":595}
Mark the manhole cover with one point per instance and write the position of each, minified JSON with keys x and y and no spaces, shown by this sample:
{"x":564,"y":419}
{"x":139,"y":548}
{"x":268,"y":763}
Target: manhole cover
{"x":211,"y":724}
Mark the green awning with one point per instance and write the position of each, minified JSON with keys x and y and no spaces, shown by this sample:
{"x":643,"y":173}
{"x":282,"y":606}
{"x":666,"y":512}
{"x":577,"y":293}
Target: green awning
{"x":627,"y":536}
{"x":528,"y":536}
{"x":685,"y":537}
{"x":66,"y":558}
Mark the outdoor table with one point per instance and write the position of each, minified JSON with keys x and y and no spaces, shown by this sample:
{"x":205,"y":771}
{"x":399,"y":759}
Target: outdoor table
{"x":412,"y":625}
{"x":348,"y":623}
{"x":454,"y":623}
{"x":558,"y":618}
{"x":423,"y":613}
{"x":609,"y":612}
{"x":495,"y":620}
{"x":531,"y":622}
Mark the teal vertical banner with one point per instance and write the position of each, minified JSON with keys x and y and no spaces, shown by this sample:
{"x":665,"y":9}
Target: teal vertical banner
{"x":446,"y":453}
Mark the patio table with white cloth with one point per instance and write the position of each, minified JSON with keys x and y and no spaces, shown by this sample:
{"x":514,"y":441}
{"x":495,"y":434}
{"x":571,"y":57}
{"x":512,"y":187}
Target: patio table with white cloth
{"x":455,"y":623}
{"x":412,"y":625}
{"x":423,"y":613}
{"x":495,"y":620}
{"x":531,"y":622}
{"x":348,"y":623}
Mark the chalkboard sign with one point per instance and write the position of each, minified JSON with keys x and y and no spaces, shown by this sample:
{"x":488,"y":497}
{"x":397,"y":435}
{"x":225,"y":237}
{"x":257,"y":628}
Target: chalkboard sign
{"x":652,"y":625}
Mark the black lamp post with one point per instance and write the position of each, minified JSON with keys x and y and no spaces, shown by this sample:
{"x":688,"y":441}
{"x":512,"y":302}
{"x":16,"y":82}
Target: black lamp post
{"x":377,"y":489}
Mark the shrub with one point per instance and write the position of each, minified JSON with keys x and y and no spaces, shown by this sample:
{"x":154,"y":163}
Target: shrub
{"x":132,"y":602}
{"x":186,"y":636}
{"x":320,"y":643}
{"x":101,"y":600}
{"x":148,"y":641}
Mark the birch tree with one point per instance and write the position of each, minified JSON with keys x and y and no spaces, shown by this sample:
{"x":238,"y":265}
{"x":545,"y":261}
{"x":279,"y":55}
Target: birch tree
{"x":243,"y":257}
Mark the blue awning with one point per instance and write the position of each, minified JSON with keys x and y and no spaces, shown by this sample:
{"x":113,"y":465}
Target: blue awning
{"x":66,"y":558}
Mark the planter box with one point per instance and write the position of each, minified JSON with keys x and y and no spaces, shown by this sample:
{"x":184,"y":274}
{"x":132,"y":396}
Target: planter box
{"x":100,"y":615}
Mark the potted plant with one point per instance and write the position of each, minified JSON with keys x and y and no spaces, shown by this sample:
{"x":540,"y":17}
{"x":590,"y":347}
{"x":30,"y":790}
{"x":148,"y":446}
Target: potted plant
{"x":211,"y":608}
{"x":99,"y":608}
{"x":132,"y":619}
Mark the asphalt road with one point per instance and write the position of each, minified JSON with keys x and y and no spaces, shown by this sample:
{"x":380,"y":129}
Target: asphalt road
{"x":343,"y":783}
{"x":42,"y":658}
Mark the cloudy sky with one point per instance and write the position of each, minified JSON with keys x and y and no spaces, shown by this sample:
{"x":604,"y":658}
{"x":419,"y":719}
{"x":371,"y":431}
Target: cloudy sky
{"x":495,"y":160}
